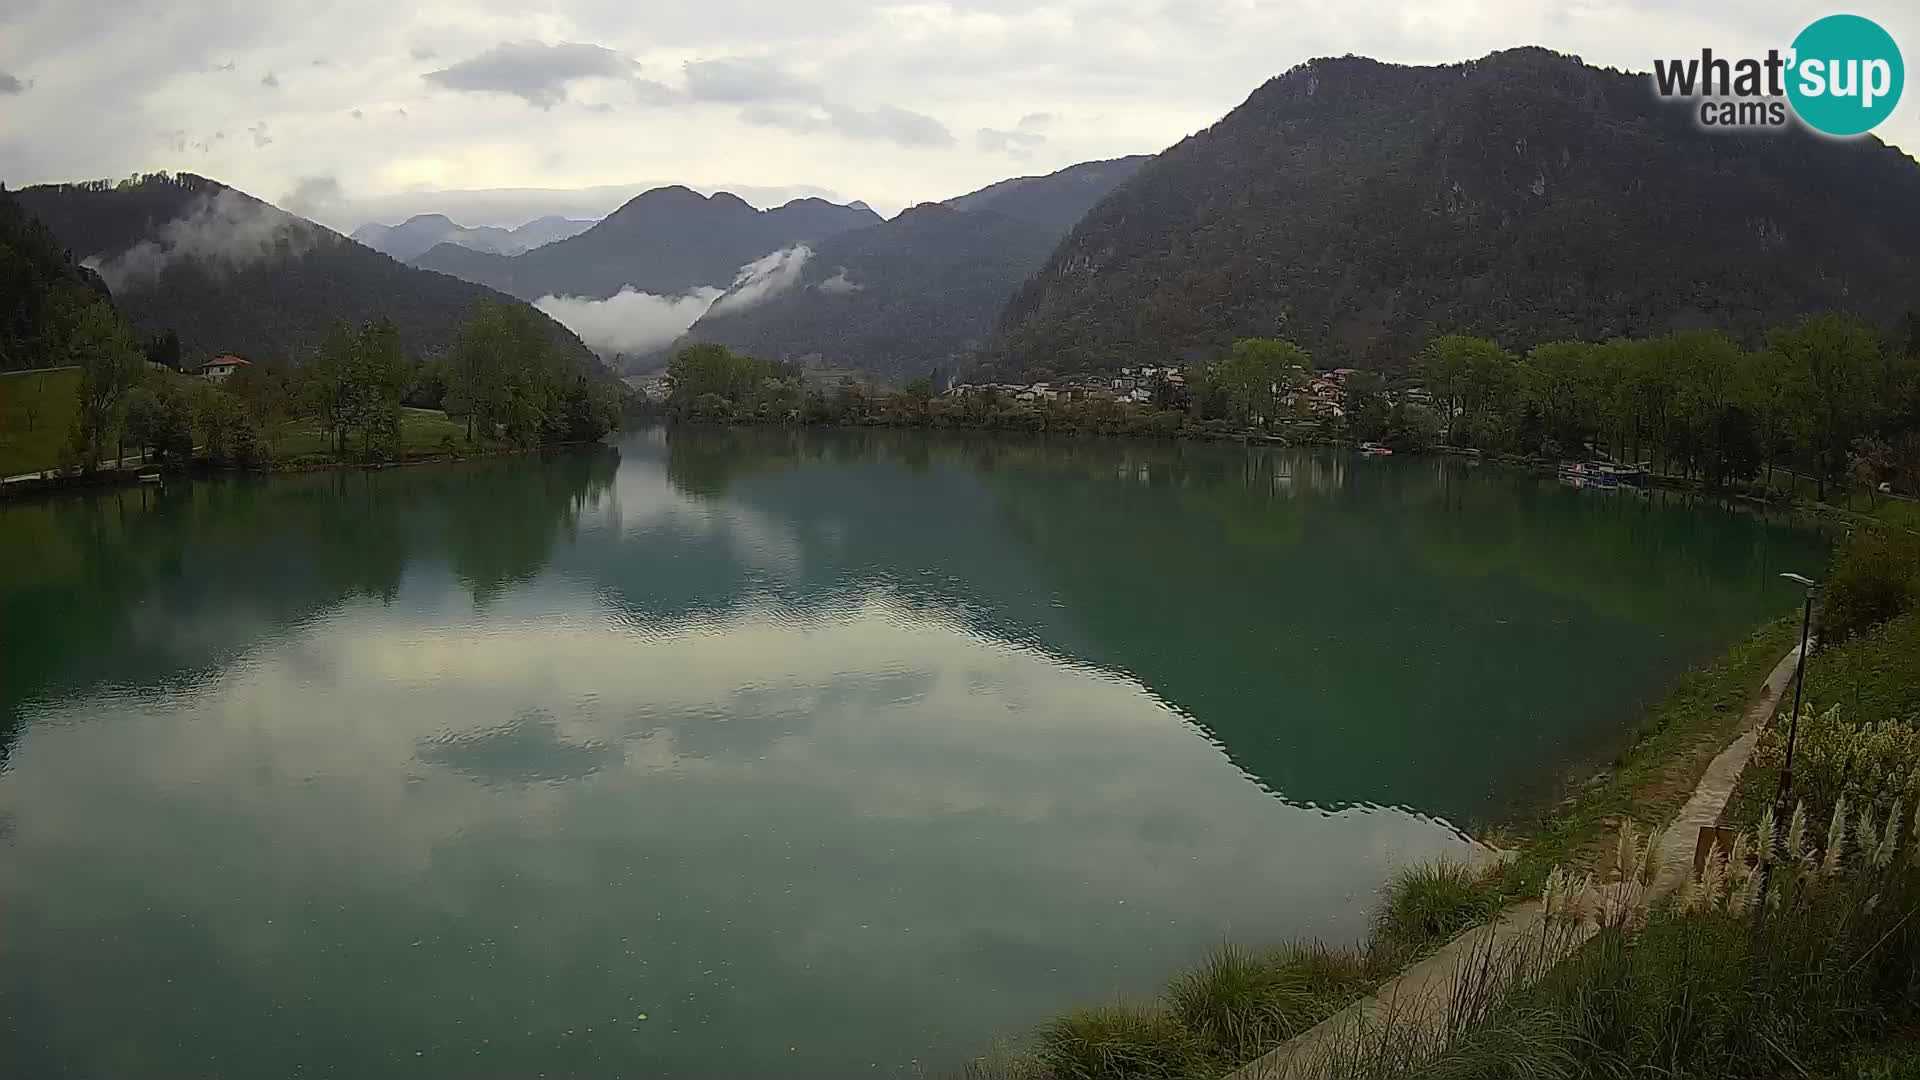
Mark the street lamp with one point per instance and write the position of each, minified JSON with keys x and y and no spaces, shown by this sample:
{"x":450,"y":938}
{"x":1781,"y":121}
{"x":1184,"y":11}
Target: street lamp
{"x":1799,"y":684}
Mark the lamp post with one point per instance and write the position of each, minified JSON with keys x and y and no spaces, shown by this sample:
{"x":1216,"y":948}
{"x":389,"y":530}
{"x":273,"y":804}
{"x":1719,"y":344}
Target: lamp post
{"x":1799,"y":684}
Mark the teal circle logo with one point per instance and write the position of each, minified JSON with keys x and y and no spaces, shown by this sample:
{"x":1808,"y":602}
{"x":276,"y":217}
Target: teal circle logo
{"x":1846,"y":75}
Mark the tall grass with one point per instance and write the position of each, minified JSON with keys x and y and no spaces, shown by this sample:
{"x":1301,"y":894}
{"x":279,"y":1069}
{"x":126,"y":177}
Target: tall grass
{"x":1782,"y":956}
{"x":1431,"y":902}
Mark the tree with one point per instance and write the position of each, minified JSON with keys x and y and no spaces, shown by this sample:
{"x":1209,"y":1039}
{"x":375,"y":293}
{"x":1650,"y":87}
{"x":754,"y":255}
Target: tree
{"x":1366,"y":405}
{"x":705,"y":368}
{"x":1256,"y":372}
{"x":109,"y":360}
{"x":142,"y":416}
{"x":1450,"y":364}
{"x":163,"y":349}
{"x":1835,"y":358}
{"x":920,"y":390}
{"x":374,"y":377}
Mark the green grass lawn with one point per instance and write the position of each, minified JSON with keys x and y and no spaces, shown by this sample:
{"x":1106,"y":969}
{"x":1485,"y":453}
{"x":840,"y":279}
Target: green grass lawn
{"x":422,"y":432}
{"x":1899,"y":513}
{"x":36,"y":416}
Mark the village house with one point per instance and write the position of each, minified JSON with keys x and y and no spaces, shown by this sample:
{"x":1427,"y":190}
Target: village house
{"x":221,"y":368}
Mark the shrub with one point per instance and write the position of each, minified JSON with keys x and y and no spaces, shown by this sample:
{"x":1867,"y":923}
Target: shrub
{"x":1429,"y":903}
{"x":1118,"y":1042}
{"x":1874,"y":580}
{"x":1240,"y":1004}
{"x":1869,"y":764}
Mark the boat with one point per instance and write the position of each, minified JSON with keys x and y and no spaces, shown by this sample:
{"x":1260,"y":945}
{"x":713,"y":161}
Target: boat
{"x":1374,"y":449}
{"x":1588,"y":474}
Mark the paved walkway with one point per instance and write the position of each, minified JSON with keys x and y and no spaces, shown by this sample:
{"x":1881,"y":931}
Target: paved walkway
{"x":1423,"y":990}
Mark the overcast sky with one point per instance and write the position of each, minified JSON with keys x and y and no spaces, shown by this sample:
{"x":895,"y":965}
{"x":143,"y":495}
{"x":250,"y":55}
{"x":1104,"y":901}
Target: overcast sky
{"x":347,"y":110}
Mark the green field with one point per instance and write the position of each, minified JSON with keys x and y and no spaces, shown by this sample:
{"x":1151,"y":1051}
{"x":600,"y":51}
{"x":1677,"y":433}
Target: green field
{"x":36,"y":415}
{"x":422,"y":431}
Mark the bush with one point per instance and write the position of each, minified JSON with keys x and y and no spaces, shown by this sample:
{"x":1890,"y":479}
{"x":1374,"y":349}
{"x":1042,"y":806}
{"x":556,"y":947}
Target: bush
{"x":1873,"y":581}
{"x":1869,"y":764}
{"x":1430,"y":903}
{"x":1240,"y":1004}
{"x":1118,"y":1042}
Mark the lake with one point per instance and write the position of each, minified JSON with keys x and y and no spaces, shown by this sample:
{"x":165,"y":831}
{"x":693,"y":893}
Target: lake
{"x":767,"y":753}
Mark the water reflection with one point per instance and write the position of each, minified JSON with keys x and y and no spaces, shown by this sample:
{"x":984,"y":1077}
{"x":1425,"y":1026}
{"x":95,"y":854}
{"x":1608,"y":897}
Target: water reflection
{"x":152,"y":585}
{"x":823,"y":752}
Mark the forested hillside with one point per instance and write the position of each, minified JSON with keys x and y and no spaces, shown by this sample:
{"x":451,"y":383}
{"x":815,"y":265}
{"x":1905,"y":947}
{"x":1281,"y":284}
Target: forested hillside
{"x":39,"y":285}
{"x":896,"y":300}
{"x":1056,"y":201}
{"x":668,"y":240}
{"x":922,"y":290}
{"x":230,"y":273}
{"x":1361,"y":208}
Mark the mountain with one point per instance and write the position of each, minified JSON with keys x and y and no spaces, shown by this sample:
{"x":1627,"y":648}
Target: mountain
{"x":1361,"y":207}
{"x":668,"y":240}
{"x":416,"y":235}
{"x":1056,"y":201}
{"x":37,"y":276}
{"x":897,"y":299}
{"x":922,"y":290}
{"x":230,"y":273}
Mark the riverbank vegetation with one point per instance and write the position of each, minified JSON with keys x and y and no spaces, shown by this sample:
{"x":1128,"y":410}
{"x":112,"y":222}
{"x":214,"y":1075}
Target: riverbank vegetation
{"x":1793,"y":954}
{"x":1238,"y":1003}
{"x":357,"y":399}
{"x":1827,"y":398}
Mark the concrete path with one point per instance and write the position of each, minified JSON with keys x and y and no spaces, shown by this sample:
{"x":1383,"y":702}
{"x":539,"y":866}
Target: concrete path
{"x":1675,"y":861}
{"x":1424,"y":989}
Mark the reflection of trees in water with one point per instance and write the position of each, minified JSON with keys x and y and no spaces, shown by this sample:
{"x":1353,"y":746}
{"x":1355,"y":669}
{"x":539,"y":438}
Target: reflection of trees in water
{"x":138,"y":585}
{"x":1309,"y":608}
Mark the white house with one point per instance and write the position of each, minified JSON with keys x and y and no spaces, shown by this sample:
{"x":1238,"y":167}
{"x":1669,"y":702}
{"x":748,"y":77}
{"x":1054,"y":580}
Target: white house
{"x":221,"y":368}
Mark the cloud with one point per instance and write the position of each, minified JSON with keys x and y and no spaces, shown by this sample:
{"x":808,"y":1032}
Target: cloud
{"x":224,"y":231}
{"x":1018,"y":141}
{"x":259,"y":132}
{"x":630,"y":321}
{"x":887,"y":123}
{"x":902,"y":126}
{"x":537,"y":73}
{"x":1015,"y":143}
{"x":270,"y":80}
{"x":422,"y":52}
{"x":10,"y":84}
{"x":767,"y":276}
{"x":738,"y":81}
{"x":313,"y":196}
{"x":839,"y":283}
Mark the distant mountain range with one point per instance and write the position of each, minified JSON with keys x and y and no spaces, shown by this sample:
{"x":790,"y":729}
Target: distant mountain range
{"x":1362,"y":208}
{"x":230,"y":273}
{"x":669,"y":240}
{"x":416,"y":235}
{"x":921,"y":290}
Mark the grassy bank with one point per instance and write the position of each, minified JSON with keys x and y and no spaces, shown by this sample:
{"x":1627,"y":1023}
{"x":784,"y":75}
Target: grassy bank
{"x":1239,"y":1003}
{"x":1873,"y":679}
{"x":36,"y":417}
{"x":423,"y":433}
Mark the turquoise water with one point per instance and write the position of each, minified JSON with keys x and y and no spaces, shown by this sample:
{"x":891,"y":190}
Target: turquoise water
{"x":776,"y":754}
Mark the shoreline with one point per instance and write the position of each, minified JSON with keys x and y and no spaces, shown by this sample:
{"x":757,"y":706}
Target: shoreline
{"x":123,"y":477}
